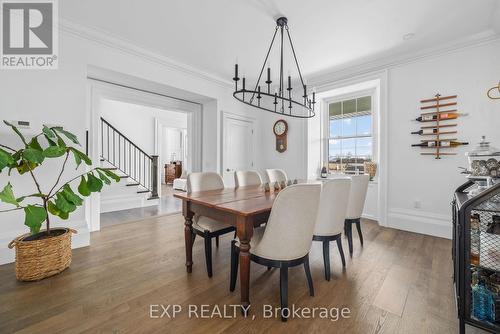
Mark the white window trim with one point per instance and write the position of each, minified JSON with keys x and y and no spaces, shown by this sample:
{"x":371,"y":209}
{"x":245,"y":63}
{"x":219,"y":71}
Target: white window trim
{"x":326,"y":120}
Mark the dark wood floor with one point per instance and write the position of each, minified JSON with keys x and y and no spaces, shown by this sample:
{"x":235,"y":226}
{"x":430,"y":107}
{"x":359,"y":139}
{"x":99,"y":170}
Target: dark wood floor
{"x":400,"y":282}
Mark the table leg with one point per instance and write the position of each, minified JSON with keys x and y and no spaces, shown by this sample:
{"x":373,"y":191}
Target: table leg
{"x":188,"y":234}
{"x":244,"y":229}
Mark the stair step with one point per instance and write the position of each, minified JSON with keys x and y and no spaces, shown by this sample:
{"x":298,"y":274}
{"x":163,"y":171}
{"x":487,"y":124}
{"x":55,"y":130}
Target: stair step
{"x":142,"y":191}
{"x":132,"y":184}
{"x":102,"y":159}
{"x":109,"y":168}
{"x":123,"y":176}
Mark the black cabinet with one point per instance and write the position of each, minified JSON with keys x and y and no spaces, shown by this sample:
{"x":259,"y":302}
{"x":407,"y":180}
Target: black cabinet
{"x":476,"y":256}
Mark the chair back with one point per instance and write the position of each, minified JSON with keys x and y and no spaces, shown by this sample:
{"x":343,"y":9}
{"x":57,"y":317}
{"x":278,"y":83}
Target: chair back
{"x":357,"y":196}
{"x":204,"y":181}
{"x":332,"y":207}
{"x":276,"y":175}
{"x":247,"y":178}
{"x":289,"y":230}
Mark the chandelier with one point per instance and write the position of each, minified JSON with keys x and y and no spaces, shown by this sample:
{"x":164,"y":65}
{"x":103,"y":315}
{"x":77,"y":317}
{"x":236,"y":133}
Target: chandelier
{"x":282,"y":100}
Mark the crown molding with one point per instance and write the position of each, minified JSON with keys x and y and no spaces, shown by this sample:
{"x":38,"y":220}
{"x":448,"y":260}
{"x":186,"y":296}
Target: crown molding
{"x":125,"y":46}
{"x":380,"y":64}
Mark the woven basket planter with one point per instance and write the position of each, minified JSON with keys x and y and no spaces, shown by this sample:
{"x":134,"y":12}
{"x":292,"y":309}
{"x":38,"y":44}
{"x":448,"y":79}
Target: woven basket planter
{"x":38,"y":259}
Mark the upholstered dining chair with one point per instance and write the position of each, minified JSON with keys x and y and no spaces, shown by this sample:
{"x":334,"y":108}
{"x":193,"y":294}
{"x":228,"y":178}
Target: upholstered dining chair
{"x":206,"y":227}
{"x":331,"y":216}
{"x":276,"y":175}
{"x":357,"y":196}
{"x":286,"y":240}
{"x":247,"y":178}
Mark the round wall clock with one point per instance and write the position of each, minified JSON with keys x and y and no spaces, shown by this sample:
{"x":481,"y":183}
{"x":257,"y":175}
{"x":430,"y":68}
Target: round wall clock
{"x":280,"y":130}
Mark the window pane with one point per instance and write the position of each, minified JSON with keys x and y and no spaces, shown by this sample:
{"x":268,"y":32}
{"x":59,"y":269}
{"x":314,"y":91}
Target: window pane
{"x":365,"y":103}
{"x":335,"y":128}
{"x":364,"y":148}
{"x":348,"y":127}
{"x":349,"y":106}
{"x":364,"y":125}
{"x":334,"y":155}
{"x":335,"y":109}
{"x":348,"y":148}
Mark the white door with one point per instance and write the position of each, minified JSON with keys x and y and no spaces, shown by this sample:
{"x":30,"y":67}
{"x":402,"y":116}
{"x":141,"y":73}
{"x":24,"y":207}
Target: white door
{"x":238,"y":147}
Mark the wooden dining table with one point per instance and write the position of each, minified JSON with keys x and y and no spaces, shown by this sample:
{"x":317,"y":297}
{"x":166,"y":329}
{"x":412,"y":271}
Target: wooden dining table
{"x":243,"y":207}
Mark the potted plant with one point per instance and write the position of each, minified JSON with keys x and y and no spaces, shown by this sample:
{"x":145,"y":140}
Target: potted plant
{"x":43,"y":253}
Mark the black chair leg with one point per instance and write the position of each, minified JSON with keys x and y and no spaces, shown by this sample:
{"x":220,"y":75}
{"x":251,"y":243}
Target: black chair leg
{"x":217,"y":241}
{"x":348,"y":227}
{"x":284,"y":293}
{"x":326,"y":258}
{"x":234,"y":265}
{"x":308,"y":276}
{"x":358,"y":226}
{"x":341,"y":250}
{"x":208,"y":254}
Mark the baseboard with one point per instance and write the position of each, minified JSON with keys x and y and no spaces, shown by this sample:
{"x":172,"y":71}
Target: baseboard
{"x":117,"y":203}
{"x":80,"y":239}
{"x":422,"y":222}
{"x":369,"y":216}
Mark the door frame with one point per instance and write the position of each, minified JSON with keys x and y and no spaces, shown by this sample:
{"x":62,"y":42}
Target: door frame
{"x":96,"y":91}
{"x":228,"y":115}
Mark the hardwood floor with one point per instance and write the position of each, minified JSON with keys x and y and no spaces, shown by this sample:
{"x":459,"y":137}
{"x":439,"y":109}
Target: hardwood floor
{"x":167,"y":205}
{"x":400,"y":282}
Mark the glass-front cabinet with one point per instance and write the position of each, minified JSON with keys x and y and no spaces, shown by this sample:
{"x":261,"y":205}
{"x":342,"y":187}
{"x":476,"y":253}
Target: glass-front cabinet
{"x":476,"y":255}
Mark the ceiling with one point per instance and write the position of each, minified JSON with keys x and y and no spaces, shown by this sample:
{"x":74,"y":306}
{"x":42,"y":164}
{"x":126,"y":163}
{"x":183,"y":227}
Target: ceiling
{"x":327,"y":34}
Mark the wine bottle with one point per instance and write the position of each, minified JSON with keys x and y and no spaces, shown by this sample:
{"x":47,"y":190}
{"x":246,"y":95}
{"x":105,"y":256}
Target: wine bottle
{"x":425,"y":132}
{"x":441,"y":143}
{"x":433,"y":117}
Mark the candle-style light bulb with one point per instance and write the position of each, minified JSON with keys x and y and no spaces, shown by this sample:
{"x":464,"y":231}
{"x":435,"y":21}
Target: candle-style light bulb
{"x":289,"y":82}
{"x":268,"y":74}
{"x":235,"y":70}
{"x":243,"y":82}
{"x":305,"y":91}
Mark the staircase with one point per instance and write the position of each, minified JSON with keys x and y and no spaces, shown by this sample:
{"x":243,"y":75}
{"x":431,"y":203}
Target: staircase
{"x":138,"y":169}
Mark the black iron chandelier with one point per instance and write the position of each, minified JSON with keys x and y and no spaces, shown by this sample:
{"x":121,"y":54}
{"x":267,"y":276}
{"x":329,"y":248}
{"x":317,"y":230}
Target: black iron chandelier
{"x":279,"y":101}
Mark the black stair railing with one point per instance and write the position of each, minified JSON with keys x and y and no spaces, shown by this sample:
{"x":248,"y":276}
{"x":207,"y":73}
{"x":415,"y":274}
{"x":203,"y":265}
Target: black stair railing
{"x":129,"y":158}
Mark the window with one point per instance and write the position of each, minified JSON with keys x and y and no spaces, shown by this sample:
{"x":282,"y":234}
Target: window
{"x":350,"y":134}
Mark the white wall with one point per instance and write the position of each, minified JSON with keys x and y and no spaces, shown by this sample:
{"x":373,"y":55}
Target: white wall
{"x":61,"y":97}
{"x":467,"y":72}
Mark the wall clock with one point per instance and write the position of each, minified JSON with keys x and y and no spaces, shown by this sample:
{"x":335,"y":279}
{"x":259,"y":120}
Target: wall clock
{"x":280,"y":131}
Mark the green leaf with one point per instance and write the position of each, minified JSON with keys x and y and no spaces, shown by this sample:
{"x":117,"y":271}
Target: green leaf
{"x":33,"y":155}
{"x":34,"y":144}
{"x":50,"y":141}
{"x":103,"y":177}
{"x":16,"y":130}
{"x":5,"y":159}
{"x":7,"y":195}
{"x":80,"y":156}
{"x":34,"y":217}
{"x":67,"y":134}
{"x":63,"y":204}
{"x":109,"y":174}
{"x":94,"y":183}
{"x":71,"y":196}
{"x":55,"y":211}
{"x":60,"y":141}
{"x":48,"y":132}
{"x":83,"y":188}
{"x":54,"y":152}
{"x":25,"y":166}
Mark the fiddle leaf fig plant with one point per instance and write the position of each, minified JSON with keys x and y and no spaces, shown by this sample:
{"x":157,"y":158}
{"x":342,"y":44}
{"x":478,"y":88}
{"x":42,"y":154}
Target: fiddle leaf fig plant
{"x":61,"y":199}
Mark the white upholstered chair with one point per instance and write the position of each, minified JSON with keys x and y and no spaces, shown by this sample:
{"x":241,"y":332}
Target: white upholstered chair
{"x":286,"y":240}
{"x":276,"y":175}
{"x":247,"y":178}
{"x":181,"y":182}
{"x":204,"y":226}
{"x":331,"y":216}
{"x":357,"y":196}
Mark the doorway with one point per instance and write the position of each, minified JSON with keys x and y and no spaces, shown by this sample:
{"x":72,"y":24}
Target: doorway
{"x":238,"y":145}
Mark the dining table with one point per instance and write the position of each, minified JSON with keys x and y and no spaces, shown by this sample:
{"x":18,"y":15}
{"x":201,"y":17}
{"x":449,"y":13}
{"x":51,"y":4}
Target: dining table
{"x":243,"y":207}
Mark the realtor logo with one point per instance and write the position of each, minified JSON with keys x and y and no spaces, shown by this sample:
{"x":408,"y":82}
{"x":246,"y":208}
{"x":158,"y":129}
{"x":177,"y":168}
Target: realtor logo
{"x":29,"y":34}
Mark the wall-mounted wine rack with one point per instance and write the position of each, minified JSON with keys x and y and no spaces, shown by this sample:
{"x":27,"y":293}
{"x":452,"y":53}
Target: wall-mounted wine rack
{"x":442,"y":111}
